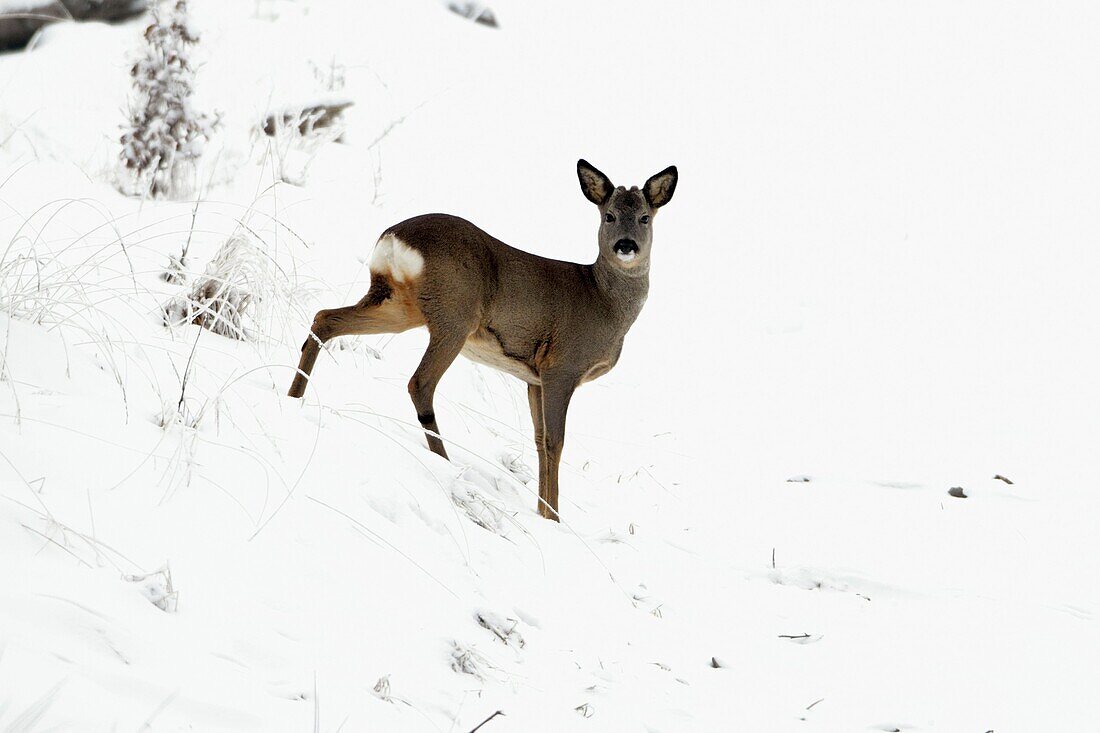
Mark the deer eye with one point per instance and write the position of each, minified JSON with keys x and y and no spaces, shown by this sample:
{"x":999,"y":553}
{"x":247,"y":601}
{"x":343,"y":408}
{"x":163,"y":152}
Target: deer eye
{"x":644,"y":220}
{"x":609,"y":216}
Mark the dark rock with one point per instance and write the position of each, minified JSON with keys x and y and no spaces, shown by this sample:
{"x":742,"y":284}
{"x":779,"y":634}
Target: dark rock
{"x":16,"y":29}
{"x":475,"y":12}
{"x":957,"y":492}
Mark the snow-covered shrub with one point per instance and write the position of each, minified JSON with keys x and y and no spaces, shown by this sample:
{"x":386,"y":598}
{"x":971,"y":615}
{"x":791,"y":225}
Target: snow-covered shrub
{"x":243,"y":292}
{"x":165,"y":134}
{"x":298,"y":134}
{"x":234,"y":281}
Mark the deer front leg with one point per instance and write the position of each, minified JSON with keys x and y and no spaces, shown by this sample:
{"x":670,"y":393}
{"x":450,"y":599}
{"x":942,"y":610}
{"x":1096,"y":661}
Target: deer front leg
{"x":534,"y":400}
{"x":557,"y":390}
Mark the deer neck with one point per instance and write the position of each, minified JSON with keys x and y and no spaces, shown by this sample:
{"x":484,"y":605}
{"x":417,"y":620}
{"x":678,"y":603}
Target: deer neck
{"x":624,"y":290}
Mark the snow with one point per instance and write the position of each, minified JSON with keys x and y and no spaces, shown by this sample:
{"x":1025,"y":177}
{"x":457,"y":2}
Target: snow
{"x":876,"y":282}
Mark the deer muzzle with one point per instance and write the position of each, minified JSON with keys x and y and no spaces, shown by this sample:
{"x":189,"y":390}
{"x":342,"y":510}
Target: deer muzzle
{"x":626,"y":249}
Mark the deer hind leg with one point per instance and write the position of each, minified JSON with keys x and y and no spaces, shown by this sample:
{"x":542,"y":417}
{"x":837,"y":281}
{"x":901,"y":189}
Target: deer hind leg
{"x":383,"y":310}
{"x":444,"y":346}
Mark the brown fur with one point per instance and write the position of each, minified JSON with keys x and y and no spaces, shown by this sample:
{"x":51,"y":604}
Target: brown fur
{"x":552,"y":324}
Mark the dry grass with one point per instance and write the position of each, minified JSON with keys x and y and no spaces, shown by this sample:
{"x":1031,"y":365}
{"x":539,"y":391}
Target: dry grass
{"x":467,"y":660}
{"x":234,"y":282}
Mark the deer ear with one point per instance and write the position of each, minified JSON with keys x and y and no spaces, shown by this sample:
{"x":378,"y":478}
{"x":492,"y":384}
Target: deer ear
{"x":596,"y":186}
{"x":658,"y":190}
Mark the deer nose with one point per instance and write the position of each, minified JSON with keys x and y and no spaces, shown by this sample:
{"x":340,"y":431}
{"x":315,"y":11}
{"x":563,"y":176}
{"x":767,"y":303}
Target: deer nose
{"x":625,"y":247}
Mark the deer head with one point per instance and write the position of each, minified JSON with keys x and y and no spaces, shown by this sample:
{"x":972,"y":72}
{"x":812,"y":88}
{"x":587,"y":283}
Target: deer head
{"x":626,"y":215}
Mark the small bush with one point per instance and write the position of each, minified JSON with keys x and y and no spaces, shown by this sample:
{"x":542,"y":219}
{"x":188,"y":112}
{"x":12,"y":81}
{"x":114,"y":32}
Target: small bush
{"x":233,"y":283}
{"x":297,"y":136}
{"x":165,"y":134}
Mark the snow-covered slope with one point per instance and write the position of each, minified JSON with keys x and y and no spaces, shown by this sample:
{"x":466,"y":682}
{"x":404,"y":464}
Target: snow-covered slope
{"x":876,"y":283}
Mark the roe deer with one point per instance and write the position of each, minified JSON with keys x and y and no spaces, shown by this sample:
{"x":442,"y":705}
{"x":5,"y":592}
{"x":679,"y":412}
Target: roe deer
{"x":553,"y":324}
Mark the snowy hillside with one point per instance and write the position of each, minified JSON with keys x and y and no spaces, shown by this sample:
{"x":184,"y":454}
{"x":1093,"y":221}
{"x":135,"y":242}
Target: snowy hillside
{"x":876,"y":283}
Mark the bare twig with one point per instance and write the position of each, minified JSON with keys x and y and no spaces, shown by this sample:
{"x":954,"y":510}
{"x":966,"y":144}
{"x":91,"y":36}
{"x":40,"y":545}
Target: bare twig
{"x":478,"y":726}
{"x":186,"y":372}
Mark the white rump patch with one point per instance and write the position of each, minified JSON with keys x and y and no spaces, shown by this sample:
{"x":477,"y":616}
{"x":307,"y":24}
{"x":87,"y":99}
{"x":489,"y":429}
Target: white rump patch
{"x":396,"y":259}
